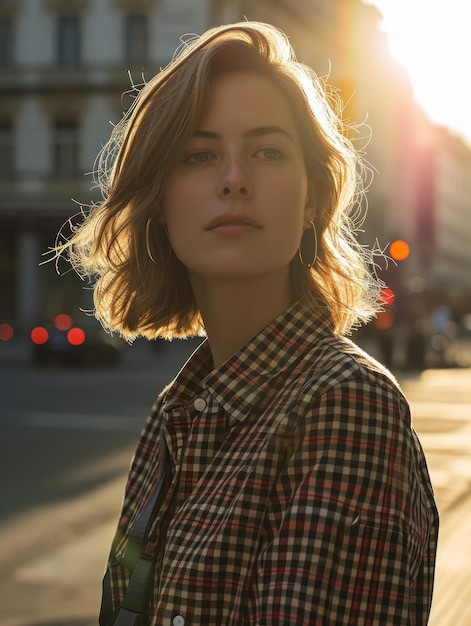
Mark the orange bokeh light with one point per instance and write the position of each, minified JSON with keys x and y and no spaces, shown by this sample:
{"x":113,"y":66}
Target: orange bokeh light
{"x":399,"y":250}
{"x":384,"y":320}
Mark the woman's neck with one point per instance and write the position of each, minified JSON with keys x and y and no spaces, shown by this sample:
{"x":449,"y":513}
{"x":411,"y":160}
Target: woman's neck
{"x":235,"y":311}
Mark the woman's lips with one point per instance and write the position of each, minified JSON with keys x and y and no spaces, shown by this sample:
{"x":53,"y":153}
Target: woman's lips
{"x":233,"y":223}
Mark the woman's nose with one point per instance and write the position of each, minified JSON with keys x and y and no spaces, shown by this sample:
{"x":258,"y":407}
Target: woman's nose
{"x":235,"y":180}
{"x":228,"y":190}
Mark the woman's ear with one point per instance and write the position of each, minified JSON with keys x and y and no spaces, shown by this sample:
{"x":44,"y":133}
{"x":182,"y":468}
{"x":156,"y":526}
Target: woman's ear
{"x":309,"y":208}
{"x":309,"y":216}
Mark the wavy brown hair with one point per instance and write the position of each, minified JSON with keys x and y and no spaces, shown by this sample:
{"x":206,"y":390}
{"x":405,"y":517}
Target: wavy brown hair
{"x":135,"y":296}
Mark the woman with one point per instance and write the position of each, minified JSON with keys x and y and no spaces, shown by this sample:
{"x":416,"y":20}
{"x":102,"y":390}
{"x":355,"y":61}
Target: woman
{"x":290,"y":486}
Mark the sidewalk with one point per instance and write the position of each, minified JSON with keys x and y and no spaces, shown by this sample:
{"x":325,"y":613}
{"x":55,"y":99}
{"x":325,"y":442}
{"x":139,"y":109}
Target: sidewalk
{"x":61,"y":583}
{"x":441,"y":410}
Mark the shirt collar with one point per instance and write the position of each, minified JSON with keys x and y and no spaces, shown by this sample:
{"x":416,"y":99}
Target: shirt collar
{"x":241,"y":382}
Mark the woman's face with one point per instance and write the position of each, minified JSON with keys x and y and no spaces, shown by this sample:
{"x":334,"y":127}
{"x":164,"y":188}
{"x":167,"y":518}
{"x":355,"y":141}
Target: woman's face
{"x":235,"y":203}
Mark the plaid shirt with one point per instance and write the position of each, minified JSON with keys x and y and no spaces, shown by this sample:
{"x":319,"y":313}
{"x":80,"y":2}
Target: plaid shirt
{"x":298,"y":491}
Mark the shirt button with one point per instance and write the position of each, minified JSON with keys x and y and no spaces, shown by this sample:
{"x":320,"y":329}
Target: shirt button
{"x":178,"y":620}
{"x":200,"y":405}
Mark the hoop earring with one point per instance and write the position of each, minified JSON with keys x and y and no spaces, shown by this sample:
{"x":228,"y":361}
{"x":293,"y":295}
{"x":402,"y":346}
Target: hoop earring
{"x":308,"y":247}
{"x":148,"y":248}
{"x":149,"y":251}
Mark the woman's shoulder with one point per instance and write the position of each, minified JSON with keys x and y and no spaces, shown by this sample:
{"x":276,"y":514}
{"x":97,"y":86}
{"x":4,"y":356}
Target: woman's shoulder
{"x":338,"y":361}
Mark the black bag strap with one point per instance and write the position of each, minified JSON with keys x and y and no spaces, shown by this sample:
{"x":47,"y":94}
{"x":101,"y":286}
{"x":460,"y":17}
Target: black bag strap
{"x":141,"y":528}
{"x":134,"y":606}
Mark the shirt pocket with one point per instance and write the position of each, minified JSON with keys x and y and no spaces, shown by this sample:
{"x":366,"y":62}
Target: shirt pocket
{"x":390,"y":538}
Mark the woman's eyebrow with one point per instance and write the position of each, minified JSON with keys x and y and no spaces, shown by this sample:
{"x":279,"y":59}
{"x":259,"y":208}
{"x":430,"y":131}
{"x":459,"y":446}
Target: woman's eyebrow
{"x":258,"y":131}
{"x":267,"y":130}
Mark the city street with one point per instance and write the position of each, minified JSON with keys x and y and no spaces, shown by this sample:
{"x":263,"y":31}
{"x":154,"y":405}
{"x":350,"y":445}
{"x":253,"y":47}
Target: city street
{"x":354,"y":148}
{"x":67,"y":438}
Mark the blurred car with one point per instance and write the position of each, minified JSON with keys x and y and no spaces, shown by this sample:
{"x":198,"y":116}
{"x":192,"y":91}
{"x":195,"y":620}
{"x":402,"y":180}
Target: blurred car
{"x":64,"y":342}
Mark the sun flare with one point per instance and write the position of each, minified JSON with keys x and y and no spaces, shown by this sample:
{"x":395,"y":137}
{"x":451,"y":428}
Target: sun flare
{"x":432,"y":40}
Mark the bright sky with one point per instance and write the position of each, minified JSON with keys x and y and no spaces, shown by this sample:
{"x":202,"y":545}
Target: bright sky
{"x":432,"y":40}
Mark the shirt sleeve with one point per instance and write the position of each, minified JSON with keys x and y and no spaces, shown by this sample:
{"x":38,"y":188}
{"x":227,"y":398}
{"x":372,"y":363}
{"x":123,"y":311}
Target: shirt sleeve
{"x":353,"y":527}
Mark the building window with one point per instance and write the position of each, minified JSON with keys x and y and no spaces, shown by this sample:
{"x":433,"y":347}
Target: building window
{"x":66,"y":149}
{"x":68,"y":40}
{"x":6,"y":41}
{"x":6,"y":152}
{"x":136,"y":38}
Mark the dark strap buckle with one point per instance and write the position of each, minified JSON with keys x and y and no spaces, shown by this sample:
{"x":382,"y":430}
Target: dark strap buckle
{"x":130,"y":618}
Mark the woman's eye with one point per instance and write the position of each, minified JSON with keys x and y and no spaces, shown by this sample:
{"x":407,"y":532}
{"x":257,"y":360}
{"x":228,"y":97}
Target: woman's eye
{"x":270,"y":154}
{"x":199,"y":157}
